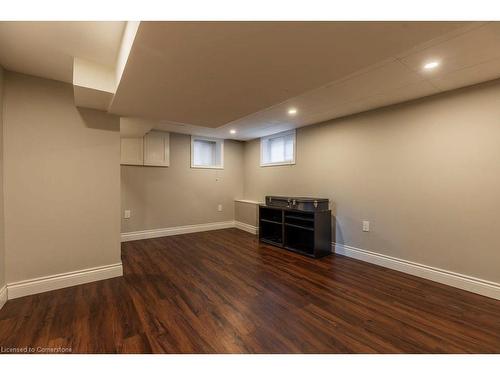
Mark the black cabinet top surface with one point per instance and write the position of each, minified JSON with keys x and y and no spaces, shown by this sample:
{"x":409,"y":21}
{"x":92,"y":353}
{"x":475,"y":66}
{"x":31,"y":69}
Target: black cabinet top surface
{"x":298,"y":199}
{"x":291,"y":209}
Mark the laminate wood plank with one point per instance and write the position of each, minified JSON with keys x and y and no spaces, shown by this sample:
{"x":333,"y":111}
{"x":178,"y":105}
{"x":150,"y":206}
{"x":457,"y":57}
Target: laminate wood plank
{"x":224,"y":292}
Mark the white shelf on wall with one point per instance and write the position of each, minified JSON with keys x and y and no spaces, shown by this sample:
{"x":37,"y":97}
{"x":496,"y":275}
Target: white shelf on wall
{"x":248,"y":201}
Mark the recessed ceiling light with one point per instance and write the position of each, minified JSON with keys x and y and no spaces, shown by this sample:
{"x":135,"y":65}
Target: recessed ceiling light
{"x":431,"y":65}
{"x":232,"y":131}
{"x":292,"y":111}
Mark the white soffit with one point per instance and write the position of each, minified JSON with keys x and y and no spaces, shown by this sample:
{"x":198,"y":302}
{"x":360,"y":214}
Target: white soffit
{"x":92,"y":75}
{"x":135,"y":127}
{"x":89,"y":98}
{"x":46,"y":49}
{"x":126,"y":44}
{"x":93,"y":84}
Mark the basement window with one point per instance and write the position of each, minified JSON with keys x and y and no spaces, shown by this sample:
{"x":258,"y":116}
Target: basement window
{"x":207,"y":152}
{"x":278,"y":149}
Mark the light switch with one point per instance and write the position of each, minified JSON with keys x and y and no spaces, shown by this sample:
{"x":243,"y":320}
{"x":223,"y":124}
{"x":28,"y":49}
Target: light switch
{"x":126,"y":214}
{"x":219,"y":208}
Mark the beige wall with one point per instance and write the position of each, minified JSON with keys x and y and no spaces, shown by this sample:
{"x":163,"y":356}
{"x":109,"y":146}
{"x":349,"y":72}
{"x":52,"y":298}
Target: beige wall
{"x":426,"y":175}
{"x":180,"y":195}
{"x":62,"y":181}
{"x":246,"y":213}
{"x":2,"y":231}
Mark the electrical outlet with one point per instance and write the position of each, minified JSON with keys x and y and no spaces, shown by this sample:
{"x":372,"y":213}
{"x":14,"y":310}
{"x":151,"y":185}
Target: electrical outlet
{"x":219,"y":208}
{"x":126,"y":214}
{"x":366,"y":226}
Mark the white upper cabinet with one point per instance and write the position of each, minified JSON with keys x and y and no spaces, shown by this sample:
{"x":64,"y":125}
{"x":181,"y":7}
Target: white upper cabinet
{"x":156,"y":149}
{"x":131,"y":151}
{"x":152,"y":150}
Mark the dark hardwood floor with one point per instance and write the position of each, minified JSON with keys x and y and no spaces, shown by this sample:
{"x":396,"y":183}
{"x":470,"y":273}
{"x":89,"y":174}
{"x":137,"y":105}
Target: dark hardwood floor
{"x":223,"y":292}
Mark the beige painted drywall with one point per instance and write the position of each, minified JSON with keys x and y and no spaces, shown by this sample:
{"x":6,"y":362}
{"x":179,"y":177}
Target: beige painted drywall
{"x":425,"y":173}
{"x":246,"y":213}
{"x":2,"y":231}
{"x":62,"y":181}
{"x":180,"y":195}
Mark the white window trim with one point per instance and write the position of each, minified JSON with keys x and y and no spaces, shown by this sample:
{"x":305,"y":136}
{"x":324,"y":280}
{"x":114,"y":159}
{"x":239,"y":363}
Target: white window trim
{"x":285,"y":133}
{"x":219,"y":142}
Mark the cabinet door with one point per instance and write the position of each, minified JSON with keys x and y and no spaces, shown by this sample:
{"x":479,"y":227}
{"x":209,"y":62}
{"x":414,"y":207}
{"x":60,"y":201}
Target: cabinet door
{"x":156,"y":149}
{"x":131,"y":151}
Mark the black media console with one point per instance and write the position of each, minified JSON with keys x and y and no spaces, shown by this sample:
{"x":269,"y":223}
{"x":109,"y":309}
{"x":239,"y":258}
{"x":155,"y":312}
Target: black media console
{"x":304,"y":232}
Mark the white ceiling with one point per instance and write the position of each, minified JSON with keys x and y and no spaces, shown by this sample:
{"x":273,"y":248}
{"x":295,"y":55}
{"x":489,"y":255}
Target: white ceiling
{"x":47,"y":49}
{"x":468,"y":56}
{"x":212,"y":73}
{"x":246,"y":75}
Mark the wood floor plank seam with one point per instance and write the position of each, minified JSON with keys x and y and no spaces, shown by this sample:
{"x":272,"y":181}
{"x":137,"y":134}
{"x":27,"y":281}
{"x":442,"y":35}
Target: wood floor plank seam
{"x":224,"y":292}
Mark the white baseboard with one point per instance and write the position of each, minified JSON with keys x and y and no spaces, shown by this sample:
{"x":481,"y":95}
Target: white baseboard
{"x":3,"y":295}
{"x":457,"y":280}
{"x":246,"y":227}
{"x":172,"y":231}
{"x":63,"y":280}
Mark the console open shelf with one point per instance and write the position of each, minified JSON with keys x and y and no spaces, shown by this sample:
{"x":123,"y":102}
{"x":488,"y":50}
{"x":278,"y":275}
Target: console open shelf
{"x":304,"y":232}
